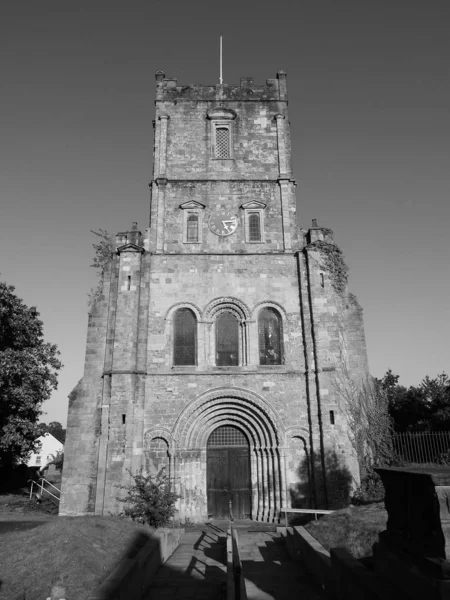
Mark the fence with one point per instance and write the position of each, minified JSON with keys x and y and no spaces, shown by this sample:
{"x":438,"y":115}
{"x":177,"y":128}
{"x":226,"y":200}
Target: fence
{"x":421,"y":446}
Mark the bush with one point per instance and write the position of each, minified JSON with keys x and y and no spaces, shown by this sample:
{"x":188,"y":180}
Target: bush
{"x":443,"y":458}
{"x":150,"y":499}
{"x":370,"y":490}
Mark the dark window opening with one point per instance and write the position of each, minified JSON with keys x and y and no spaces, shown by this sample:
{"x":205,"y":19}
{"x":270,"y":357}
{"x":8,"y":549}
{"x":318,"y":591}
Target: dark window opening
{"x":227,"y":340}
{"x":332,"y":417}
{"x":322,"y":281}
{"x":192,"y":228}
{"x":254,"y":227}
{"x":185,"y":338}
{"x":227,"y":435}
{"x":269,"y":325}
{"x":222,"y":142}
{"x":123,"y":419}
{"x":129,"y":283}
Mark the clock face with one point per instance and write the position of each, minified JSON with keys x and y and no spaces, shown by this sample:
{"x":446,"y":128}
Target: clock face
{"x":223,"y":222}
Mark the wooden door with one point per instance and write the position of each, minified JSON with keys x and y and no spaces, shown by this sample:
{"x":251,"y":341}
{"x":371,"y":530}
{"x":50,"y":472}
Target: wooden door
{"x":228,"y":475}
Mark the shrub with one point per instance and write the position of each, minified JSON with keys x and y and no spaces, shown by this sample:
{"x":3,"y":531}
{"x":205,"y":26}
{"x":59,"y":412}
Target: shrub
{"x":370,"y":490}
{"x":150,"y":499}
{"x":443,"y":458}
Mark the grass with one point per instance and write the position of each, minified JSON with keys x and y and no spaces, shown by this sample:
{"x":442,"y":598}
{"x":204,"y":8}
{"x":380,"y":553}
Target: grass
{"x":355,"y":528}
{"x":76,"y":552}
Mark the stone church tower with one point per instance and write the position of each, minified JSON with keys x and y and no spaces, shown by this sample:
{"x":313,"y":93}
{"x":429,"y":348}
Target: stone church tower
{"x":214,"y":346}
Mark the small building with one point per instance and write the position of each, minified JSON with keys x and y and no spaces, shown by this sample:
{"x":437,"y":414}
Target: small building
{"x":50,"y":446}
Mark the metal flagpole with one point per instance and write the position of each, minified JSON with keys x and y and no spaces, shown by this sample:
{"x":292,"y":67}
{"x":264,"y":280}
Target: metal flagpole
{"x":220,"y":78}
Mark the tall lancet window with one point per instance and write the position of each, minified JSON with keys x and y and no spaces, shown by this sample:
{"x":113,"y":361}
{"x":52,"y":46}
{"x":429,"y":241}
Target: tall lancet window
{"x":222,"y":142}
{"x":185,"y":338}
{"x":270,"y":347}
{"x":192,"y":228}
{"x":254,"y":227}
{"x":227,"y":340}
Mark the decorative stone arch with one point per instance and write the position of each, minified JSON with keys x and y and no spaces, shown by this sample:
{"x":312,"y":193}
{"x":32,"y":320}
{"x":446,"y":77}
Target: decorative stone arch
{"x":242,"y":313}
{"x":263,"y":428}
{"x":218,"y":305}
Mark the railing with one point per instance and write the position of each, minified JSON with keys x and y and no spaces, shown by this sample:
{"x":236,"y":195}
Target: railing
{"x":421,"y":446}
{"x":40,"y":485}
{"x":235,"y":577}
{"x":310,"y":511}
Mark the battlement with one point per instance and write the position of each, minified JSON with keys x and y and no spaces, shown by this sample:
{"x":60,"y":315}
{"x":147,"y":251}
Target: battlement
{"x":274,"y":90}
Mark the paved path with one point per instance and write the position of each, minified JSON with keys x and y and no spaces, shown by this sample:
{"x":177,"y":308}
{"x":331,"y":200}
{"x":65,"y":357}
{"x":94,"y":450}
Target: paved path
{"x":269,"y":571}
{"x":197,"y":569}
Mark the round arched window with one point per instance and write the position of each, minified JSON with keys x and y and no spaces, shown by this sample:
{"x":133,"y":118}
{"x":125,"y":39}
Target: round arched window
{"x":227,"y":340}
{"x":185,"y":338}
{"x":269,"y":329}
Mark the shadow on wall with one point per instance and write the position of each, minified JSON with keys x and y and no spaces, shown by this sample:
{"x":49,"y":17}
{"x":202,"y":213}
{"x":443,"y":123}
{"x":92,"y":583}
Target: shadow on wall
{"x":338,"y":480}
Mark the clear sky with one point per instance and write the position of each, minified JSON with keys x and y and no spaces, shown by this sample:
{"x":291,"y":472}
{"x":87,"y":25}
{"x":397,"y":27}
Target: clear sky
{"x":369,"y":91}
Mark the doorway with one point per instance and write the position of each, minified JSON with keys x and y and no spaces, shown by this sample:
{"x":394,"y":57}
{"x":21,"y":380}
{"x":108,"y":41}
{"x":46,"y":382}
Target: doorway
{"x":228,"y":473}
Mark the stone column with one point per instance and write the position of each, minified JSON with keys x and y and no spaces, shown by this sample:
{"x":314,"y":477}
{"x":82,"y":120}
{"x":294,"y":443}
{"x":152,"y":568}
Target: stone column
{"x":271,"y":484}
{"x":254,"y":484}
{"x":265,"y":485}
{"x":163,"y":145}
{"x":258,"y":453}
{"x":162,"y":185}
{"x":282,"y":158}
{"x":286,"y":201}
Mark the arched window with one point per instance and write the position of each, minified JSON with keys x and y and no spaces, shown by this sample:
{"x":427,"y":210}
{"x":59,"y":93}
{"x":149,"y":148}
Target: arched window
{"x":192,"y":228}
{"x":185,"y":338}
{"x":269,"y":328}
{"x":227,"y":340}
{"x":254,"y":227}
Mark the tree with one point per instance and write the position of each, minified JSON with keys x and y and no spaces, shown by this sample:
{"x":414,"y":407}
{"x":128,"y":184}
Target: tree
{"x":28,"y":375}
{"x":102,"y":255}
{"x":55,"y":428}
{"x":425,"y":407}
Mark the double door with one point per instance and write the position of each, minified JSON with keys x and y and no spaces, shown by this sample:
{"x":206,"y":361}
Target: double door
{"x":228,"y":479}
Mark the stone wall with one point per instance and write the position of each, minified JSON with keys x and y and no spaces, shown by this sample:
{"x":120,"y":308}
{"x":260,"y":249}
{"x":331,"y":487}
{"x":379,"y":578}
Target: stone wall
{"x":133,"y":404}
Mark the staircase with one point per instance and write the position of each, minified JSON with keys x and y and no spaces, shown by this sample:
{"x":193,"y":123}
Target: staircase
{"x":198,"y":570}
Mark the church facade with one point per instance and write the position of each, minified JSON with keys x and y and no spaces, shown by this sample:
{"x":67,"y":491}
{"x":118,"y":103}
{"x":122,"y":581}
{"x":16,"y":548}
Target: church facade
{"x":214,"y":346}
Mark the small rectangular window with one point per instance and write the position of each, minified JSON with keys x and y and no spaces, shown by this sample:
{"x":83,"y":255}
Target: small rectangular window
{"x":129,"y":283}
{"x":322,"y":281}
{"x":222,"y":142}
{"x":254,"y":227}
{"x":192,"y":228}
{"x":332,"y":417}
{"x":124,"y":419}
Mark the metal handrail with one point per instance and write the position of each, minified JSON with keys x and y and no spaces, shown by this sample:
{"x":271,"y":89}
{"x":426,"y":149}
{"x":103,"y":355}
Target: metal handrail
{"x":311,"y":511}
{"x":237,"y":587}
{"x":40,"y":484}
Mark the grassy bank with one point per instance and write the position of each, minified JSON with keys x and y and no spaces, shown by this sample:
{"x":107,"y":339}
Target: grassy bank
{"x":355,"y":528}
{"x":78,"y":552}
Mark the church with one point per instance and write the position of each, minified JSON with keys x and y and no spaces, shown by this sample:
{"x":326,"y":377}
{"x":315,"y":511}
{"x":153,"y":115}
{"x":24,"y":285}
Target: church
{"x":214,"y":346}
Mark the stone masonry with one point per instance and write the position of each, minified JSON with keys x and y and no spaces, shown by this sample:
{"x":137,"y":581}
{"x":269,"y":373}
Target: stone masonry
{"x":134,"y":407}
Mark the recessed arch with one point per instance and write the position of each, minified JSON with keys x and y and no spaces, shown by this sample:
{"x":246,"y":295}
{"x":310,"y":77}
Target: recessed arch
{"x":269,"y":304}
{"x":195,"y":309}
{"x":157,"y":432}
{"x":226,"y":303}
{"x":255,"y":414}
